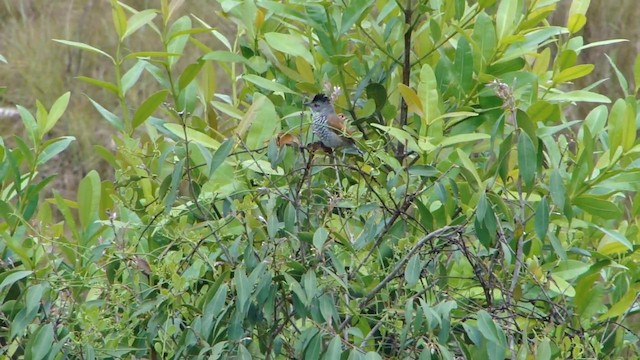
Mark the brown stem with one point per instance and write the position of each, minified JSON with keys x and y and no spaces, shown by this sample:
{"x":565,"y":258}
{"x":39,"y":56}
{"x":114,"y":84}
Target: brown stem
{"x":406,"y":74}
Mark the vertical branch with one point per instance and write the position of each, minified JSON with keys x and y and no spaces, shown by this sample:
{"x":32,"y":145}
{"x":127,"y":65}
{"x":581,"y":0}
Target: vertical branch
{"x":406,"y":73}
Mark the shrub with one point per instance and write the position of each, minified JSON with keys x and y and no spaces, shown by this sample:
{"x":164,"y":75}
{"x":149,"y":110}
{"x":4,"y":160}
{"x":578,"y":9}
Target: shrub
{"x":480,"y":223}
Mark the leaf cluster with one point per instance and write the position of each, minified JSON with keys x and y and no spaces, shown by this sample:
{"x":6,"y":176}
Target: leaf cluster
{"x":480,"y":223}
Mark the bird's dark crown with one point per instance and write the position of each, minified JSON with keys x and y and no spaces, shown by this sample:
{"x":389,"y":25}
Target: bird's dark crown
{"x":320,"y":98}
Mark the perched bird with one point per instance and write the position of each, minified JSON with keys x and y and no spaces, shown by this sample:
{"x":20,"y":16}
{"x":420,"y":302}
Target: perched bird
{"x":328,"y":126}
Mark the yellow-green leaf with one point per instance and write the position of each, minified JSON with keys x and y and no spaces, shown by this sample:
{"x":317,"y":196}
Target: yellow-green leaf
{"x":267,"y":84}
{"x":57,"y":109}
{"x":574,"y":72}
{"x":289,"y":44}
{"x":411,"y":98}
{"x":89,"y":198}
{"x":623,"y":304}
{"x":192,"y":135}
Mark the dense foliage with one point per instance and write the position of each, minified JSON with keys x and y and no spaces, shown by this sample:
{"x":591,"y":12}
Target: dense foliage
{"x":481,"y":222}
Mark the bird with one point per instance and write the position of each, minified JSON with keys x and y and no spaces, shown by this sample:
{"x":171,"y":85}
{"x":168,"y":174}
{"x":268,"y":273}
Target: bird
{"x":329,"y":126}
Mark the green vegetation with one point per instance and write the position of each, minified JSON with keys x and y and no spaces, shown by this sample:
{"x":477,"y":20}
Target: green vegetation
{"x":482,"y":222}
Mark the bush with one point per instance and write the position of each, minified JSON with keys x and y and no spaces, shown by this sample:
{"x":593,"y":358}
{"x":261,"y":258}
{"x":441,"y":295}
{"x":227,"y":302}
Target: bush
{"x":480,"y":223}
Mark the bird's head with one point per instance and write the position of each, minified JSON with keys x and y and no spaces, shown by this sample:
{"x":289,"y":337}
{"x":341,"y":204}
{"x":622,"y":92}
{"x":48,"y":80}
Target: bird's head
{"x":319,"y":102}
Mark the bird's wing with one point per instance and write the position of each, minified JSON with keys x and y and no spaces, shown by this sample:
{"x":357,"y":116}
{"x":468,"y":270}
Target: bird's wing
{"x":337,"y":123}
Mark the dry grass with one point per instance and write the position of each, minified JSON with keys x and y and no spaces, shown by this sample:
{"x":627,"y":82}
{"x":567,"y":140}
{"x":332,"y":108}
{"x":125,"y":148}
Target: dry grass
{"x":39,"y":68}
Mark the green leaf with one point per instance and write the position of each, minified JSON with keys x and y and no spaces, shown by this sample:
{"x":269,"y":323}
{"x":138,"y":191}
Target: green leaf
{"x":103,"y":84}
{"x":178,"y":37}
{"x":85,"y":47}
{"x":601,"y":43}
{"x":89,"y":199}
{"x":220,"y":155}
{"x":320,"y":236}
{"x":570,"y":269}
{"x":411,"y":99}
{"x":413,"y":270}
{"x":131,"y":77}
{"x":462,"y":138}
{"x":149,"y":54}
{"x":267,"y":84}
{"x":174,"y":186}
{"x":119,"y":18}
{"x":622,"y":126}
{"x":53,"y":147}
{"x":402,"y":136}
{"x":57,"y":109}
{"x":378,"y":93}
{"x":40,"y":343}
{"x":371,"y":355}
{"x":541,"y":223}
{"x":11,"y":276}
{"x":262,"y":122}
{"x":578,"y":96}
{"x":506,"y":18}
{"x":147,"y":108}
{"x":576,"y":22}
{"x":334,"y":350}
{"x":289,"y":44}
{"x":29,"y":123}
{"x":624,"y":85}
{"x":243,"y":291}
{"x":574,"y":72}
{"x":138,"y":20}
{"x":261,"y":166}
{"x":485,"y":42}
{"x":192,"y":135}
{"x":468,"y":165}
{"x":107,"y":115}
{"x":353,"y":13}
{"x":636,"y":73}
{"x":487,"y":327}
{"x":557,"y":246}
{"x":224,"y":56}
{"x":556,"y":187}
{"x":613,"y":242}
{"x":527,"y":159}
{"x":463,"y":66}
{"x":189,"y":74}
{"x":623,"y":305}
{"x":598,"y":207}
{"x":428,"y":95}
{"x":579,"y":7}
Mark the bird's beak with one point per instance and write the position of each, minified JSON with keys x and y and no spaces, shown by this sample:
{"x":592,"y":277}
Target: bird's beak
{"x":307,"y":103}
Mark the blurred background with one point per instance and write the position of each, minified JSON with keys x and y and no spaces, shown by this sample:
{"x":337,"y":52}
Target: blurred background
{"x":39,"y":68}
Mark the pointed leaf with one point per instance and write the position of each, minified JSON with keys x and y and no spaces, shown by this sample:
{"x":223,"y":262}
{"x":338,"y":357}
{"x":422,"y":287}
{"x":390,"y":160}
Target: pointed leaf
{"x":192,"y":135}
{"x":84,"y":47}
{"x":138,"y":20}
{"x":147,"y":108}
{"x":57,"y":109}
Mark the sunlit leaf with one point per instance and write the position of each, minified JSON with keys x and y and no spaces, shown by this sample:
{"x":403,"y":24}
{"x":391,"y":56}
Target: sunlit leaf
{"x":192,"y":135}
{"x":54,"y":147}
{"x":84,"y":47}
{"x":138,"y":20}
{"x":267,"y":84}
{"x":289,"y":44}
